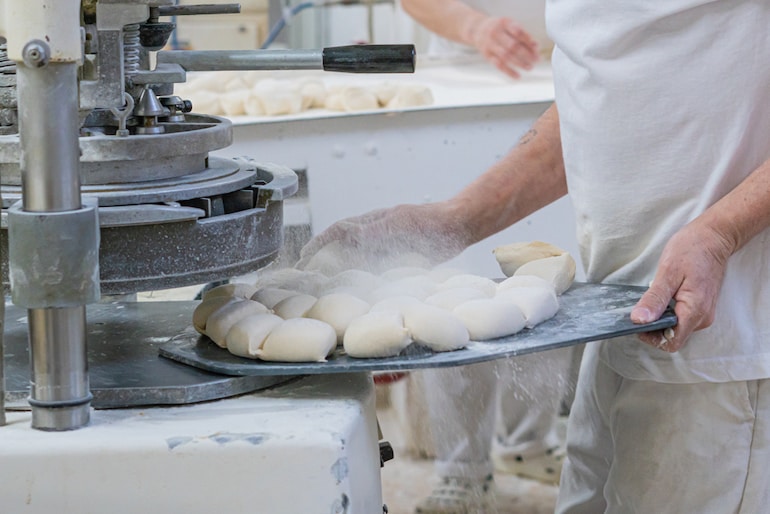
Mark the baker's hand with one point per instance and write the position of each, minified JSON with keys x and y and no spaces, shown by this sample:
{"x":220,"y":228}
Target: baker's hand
{"x":506,"y":45}
{"x":381,"y":239}
{"x":690,"y":271}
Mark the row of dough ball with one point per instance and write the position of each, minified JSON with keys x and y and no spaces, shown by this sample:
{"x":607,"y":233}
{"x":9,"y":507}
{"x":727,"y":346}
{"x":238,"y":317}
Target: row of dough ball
{"x":376,"y":316}
{"x":243,"y":95}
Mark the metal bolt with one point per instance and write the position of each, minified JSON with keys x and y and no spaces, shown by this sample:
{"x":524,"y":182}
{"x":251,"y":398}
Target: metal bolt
{"x":36,"y":54}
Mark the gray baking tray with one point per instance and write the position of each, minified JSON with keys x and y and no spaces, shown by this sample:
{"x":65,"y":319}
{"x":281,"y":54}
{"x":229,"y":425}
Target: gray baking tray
{"x":588,"y":312}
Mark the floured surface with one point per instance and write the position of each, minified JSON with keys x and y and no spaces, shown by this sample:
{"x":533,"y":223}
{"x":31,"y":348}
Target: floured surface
{"x":589,"y":312}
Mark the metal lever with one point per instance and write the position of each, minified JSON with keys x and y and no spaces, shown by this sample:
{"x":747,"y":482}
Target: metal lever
{"x":351,"y":59}
{"x":182,"y":10}
{"x":370,"y":58}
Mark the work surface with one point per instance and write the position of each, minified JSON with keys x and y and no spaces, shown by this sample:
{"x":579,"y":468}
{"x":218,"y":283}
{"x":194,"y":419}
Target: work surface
{"x":588,"y":312}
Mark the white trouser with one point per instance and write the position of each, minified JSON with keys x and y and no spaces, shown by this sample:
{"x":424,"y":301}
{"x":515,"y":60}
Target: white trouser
{"x":513,"y":401}
{"x":641,"y":446}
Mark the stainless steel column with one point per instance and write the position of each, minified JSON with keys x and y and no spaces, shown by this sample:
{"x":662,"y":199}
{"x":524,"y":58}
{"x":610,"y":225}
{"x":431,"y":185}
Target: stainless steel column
{"x":48,"y":127}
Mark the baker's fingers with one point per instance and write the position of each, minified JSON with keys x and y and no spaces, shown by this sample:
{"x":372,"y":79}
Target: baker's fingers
{"x":655,"y":300}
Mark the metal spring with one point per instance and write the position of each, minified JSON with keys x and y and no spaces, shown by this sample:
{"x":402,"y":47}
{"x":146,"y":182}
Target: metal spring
{"x":6,"y":65}
{"x":131,"y":47}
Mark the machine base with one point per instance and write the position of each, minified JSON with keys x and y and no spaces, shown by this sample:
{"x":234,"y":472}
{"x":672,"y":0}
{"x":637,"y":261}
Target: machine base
{"x":306,"y":447}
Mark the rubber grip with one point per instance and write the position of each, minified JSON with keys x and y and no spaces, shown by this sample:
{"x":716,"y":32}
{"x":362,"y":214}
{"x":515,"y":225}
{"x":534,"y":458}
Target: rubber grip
{"x":369,"y":58}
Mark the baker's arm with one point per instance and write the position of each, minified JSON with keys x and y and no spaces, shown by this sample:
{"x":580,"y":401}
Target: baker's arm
{"x":529,"y":177}
{"x":500,"y":40}
{"x":692,"y":265}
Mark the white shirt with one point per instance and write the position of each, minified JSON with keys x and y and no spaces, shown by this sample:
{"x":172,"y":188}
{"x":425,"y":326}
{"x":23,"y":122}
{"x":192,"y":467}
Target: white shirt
{"x":529,"y":14}
{"x":664,"y":108}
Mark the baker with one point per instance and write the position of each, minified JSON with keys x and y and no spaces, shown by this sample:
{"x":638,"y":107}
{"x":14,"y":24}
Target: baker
{"x":659,"y":134}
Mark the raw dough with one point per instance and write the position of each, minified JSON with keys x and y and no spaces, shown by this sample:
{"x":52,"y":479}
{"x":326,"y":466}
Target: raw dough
{"x":247,"y":335}
{"x":436,"y":328}
{"x":234,"y":103}
{"x":294,"y":306}
{"x":490,"y":318}
{"x":376,"y":334}
{"x":524,"y":281}
{"x":559,"y":270}
{"x":356,"y":98}
{"x":486,"y":285}
{"x":338,"y":310}
{"x":235,"y":290}
{"x":221,"y":320}
{"x":401,"y":272}
{"x":537,"y":303}
{"x":313,"y":94}
{"x":252,"y":105}
{"x":405,"y":287}
{"x":206,"y":308}
{"x":299,"y":340}
{"x":511,"y":257}
{"x":411,"y":95}
{"x":395,"y":304}
{"x":355,"y":278}
{"x":450,"y":298}
{"x":269,"y":296}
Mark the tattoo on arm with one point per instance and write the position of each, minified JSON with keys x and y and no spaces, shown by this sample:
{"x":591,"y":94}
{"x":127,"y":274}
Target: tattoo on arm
{"x":528,"y":137}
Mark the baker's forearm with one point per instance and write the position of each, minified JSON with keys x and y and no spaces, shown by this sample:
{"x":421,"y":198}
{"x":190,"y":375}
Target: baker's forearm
{"x":743,"y":212}
{"x":529,"y":177}
{"x":451,"y":19}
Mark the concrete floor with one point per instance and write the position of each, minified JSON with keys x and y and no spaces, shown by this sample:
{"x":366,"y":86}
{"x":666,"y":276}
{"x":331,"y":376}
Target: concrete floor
{"x":407,"y":479}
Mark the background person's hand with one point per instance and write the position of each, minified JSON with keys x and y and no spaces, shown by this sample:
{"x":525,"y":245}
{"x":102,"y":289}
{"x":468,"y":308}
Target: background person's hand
{"x":506,"y":45}
{"x":690,"y":271}
{"x":387,"y":238}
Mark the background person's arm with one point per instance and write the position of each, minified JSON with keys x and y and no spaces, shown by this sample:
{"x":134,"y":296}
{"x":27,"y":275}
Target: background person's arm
{"x":500,"y":40}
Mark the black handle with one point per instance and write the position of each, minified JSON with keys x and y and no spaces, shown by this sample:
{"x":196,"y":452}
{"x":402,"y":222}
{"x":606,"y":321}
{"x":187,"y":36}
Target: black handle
{"x":369,"y":58}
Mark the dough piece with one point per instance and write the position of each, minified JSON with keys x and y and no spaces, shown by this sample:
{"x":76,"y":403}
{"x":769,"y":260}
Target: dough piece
{"x":206,"y":308}
{"x":559,"y":271}
{"x":313,"y":94}
{"x":484,"y":284}
{"x":248,"y":335}
{"x":207,"y":81}
{"x":443,"y":273}
{"x":511,"y":257}
{"x":450,"y":298}
{"x":205,"y":102}
{"x":490,"y":318}
{"x":253,"y":106}
{"x":221,"y":321}
{"x":356,"y":98}
{"x":355,"y":278}
{"x":385,"y":91}
{"x":234,"y":290}
{"x":294,"y":306}
{"x":269,"y":296}
{"x":233,"y":102}
{"x":395,"y":304}
{"x":436,"y":328}
{"x":235,"y":83}
{"x":537,"y":303}
{"x":376,"y":334}
{"x":524,"y":281}
{"x":411,"y":95}
{"x":401,"y":272}
{"x":358,"y":292}
{"x":333,"y":101}
{"x":338,"y":310}
{"x":404,"y":287}
{"x":299,"y":340}
{"x":278,"y":102}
